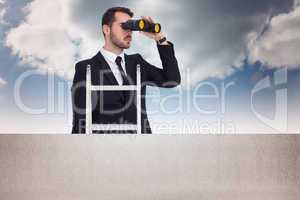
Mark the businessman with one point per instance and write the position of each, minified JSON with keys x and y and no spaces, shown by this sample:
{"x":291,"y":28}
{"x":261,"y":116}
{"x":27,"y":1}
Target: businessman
{"x":111,"y":66}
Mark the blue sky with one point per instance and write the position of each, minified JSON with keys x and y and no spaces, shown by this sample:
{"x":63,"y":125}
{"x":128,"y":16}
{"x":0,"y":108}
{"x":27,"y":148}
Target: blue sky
{"x":232,"y":45}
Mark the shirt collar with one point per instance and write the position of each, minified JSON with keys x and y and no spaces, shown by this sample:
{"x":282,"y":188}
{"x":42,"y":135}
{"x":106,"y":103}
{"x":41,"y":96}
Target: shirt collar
{"x":111,"y":56}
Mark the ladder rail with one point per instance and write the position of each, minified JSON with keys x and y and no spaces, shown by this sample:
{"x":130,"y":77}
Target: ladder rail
{"x":88,"y":108}
{"x":138,"y":96}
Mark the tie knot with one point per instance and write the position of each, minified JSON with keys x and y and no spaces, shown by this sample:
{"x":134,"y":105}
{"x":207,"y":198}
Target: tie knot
{"x":119,"y":60}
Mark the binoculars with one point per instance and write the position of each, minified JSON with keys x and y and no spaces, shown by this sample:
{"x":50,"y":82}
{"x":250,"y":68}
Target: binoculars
{"x":141,"y":25}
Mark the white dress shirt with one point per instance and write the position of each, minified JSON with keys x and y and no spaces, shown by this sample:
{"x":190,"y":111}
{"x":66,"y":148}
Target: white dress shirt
{"x":111,"y":60}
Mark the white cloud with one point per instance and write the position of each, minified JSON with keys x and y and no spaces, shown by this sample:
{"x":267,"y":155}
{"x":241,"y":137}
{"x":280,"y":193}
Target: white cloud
{"x":3,"y":10}
{"x":279,"y":45}
{"x":2,"y":82}
{"x":49,"y":39}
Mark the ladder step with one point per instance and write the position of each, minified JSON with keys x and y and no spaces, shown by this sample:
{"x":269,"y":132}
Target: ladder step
{"x":114,"y":127}
{"x":114,"y":88}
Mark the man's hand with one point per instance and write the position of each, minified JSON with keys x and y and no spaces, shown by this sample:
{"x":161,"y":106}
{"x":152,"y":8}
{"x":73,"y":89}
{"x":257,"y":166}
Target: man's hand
{"x":154,"y":36}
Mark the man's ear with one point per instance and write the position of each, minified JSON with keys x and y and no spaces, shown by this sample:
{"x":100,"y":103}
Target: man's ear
{"x":106,"y":29}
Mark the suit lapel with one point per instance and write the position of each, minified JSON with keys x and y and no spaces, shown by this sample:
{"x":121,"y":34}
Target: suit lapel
{"x":100,"y":63}
{"x":103,"y":65}
{"x":130,"y":69}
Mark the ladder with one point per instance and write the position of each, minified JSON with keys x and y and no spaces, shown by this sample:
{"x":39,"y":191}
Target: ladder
{"x":90,"y":127}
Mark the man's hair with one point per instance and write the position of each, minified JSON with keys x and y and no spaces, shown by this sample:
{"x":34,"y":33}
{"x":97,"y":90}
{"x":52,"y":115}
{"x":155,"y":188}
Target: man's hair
{"x":109,"y":16}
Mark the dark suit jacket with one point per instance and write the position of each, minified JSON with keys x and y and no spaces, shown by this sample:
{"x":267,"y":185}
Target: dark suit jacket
{"x":105,"y":101}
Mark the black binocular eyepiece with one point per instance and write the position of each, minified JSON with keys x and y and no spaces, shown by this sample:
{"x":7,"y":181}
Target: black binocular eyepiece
{"x":141,"y":25}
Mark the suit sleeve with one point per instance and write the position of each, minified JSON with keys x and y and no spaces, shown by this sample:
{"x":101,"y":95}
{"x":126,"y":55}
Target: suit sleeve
{"x":78,"y":91}
{"x":167,"y":77}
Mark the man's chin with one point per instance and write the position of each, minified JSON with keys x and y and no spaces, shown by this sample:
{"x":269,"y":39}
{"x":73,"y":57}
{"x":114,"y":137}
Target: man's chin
{"x":126,"y":46}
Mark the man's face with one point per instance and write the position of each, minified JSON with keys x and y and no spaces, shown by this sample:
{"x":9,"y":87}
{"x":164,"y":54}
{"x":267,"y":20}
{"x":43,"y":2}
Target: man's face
{"x":118,"y":36}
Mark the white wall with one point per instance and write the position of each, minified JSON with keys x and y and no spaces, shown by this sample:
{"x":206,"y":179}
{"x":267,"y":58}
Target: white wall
{"x":163,"y":167}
